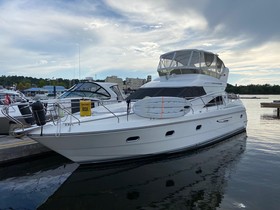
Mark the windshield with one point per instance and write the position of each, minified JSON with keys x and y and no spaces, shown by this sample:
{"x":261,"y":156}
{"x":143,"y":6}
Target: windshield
{"x":116,"y":90}
{"x":182,"y":92}
{"x":88,"y":89}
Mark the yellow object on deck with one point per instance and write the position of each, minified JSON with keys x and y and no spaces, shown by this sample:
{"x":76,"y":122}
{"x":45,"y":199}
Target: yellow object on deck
{"x":85,"y":108}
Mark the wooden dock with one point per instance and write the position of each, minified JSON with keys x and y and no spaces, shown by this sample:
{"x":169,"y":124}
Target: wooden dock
{"x":274,"y":104}
{"x":16,"y":149}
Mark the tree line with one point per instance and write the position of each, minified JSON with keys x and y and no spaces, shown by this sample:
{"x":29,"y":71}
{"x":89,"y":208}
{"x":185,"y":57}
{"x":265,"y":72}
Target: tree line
{"x":254,"y":89}
{"x":22,"y":83}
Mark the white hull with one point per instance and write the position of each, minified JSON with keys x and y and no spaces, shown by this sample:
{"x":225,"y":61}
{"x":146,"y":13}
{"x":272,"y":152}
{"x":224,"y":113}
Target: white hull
{"x":154,"y":137}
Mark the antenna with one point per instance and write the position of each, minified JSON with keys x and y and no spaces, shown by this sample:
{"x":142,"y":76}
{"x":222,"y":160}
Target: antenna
{"x":79,"y":63}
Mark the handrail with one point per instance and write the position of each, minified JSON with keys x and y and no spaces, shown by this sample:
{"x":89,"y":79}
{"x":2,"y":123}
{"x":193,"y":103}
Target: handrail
{"x":109,"y":111}
{"x":194,"y":102}
{"x":55,"y":108}
{"x":68,"y":112}
{"x":5,"y":112}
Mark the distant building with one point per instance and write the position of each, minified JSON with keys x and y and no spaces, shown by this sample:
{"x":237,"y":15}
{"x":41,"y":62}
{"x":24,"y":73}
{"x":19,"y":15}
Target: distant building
{"x":115,"y":79}
{"x":134,"y":83}
{"x":34,"y":91}
{"x":47,"y":90}
{"x":51,"y":89}
{"x":130,"y":84}
{"x":89,"y":79}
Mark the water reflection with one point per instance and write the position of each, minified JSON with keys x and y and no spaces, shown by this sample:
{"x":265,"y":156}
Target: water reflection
{"x":185,"y":181}
{"x":28,"y":184}
{"x":269,"y":117}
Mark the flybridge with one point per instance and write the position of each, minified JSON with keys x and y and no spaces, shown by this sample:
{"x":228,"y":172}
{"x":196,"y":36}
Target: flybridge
{"x":191,"y":62}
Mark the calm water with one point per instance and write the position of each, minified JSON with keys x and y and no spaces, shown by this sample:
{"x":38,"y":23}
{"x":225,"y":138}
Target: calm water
{"x":242,"y":172}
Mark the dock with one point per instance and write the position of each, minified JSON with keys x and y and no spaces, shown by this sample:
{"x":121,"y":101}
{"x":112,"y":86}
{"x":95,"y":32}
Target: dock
{"x":15,"y":149}
{"x":274,"y":104}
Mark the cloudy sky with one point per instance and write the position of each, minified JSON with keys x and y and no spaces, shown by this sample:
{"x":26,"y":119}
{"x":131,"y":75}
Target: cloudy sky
{"x":98,"y":38}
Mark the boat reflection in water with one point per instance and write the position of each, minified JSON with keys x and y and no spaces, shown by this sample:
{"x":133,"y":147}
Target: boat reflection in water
{"x":29,"y":183}
{"x":197,"y":179}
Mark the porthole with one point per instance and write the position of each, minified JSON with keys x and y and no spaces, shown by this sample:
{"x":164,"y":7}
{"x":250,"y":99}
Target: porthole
{"x":132,"y":138}
{"x":169,"y":133}
{"x":198,"y":127}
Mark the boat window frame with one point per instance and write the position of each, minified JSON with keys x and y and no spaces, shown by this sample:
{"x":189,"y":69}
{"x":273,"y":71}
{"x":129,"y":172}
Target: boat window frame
{"x":216,"y":101}
{"x":77,"y":91}
{"x":117,"y":91}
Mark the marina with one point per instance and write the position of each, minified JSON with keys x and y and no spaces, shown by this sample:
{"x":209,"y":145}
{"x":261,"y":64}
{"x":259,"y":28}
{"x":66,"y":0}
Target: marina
{"x":139,"y":105}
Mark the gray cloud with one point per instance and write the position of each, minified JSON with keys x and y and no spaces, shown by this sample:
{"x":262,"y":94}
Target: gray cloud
{"x":43,"y":36}
{"x":257,"y":20}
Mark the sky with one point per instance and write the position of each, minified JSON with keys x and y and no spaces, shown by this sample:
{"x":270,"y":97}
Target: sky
{"x":74,"y":39}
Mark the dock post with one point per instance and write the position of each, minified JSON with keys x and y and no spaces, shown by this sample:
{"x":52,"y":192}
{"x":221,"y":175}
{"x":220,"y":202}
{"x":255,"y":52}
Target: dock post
{"x":274,"y":104}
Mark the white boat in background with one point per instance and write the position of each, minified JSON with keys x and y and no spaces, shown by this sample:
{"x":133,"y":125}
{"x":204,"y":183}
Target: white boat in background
{"x":185,"y":108}
{"x":15,"y":110}
{"x":19,"y":114}
{"x":96,"y":92}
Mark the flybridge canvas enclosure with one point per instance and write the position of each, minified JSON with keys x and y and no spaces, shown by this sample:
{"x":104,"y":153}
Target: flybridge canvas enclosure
{"x":191,"y":62}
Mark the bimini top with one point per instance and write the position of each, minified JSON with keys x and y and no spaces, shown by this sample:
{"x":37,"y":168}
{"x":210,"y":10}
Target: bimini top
{"x":190,"y":61}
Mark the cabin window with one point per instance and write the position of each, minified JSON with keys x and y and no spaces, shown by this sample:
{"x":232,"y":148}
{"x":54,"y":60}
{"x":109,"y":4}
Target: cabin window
{"x":215,"y":101}
{"x":209,"y":58}
{"x":182,"y":92}
{"x":220,"y":64}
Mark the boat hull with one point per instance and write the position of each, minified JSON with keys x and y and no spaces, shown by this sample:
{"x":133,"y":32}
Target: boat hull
{"x":188,"y":132}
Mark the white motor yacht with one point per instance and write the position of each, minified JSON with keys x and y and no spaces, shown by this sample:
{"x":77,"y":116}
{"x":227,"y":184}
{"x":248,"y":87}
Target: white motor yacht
{"x":185,"y":108}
